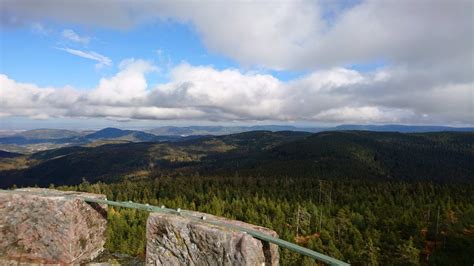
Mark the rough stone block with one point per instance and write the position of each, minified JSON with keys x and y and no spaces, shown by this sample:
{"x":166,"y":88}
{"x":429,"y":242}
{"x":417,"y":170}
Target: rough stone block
{"x":50,"y":227}
{"x":179,"y":240}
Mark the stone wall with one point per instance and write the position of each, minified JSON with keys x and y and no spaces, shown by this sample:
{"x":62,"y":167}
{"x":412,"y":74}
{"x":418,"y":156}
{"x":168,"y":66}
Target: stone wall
{"x":180,"y":240}
{"x":53,"y":228}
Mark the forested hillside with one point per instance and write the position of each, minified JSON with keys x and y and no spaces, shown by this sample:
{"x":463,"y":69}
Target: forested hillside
{"x":363,"y":154}
{"x":353,"y":154}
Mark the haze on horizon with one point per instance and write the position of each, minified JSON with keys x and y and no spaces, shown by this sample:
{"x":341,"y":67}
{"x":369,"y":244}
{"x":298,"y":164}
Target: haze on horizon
{"x":91,"y":64}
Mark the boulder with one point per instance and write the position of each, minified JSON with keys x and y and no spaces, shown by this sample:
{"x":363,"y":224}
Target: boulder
{"x":45,"y":226}
{"x":183,"y":240}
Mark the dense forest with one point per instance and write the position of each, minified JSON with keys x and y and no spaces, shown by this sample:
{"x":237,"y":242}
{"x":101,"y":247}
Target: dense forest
{"x":369,"y":198}
{"x":442,"y":157}
{"x":362,"y":222}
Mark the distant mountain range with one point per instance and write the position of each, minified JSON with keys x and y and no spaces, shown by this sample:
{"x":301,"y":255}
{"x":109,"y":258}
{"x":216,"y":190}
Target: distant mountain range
{"x":43,"y":139}
{"x":48,"y":134}
{"x":223,"y":130}
{"x":401,"y":128}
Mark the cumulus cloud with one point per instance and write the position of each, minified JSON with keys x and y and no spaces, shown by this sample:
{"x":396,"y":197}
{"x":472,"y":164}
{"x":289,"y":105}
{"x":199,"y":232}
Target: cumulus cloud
{"x":102,"y":60}
{"x":73,"y":36}
{"x":126,"y":88}
{"x":337,"y":95}
{"x":29,"y":100}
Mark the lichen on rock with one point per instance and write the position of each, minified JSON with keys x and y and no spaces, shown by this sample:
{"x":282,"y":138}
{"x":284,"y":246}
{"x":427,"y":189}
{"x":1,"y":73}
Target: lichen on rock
{"x":48,"y":226}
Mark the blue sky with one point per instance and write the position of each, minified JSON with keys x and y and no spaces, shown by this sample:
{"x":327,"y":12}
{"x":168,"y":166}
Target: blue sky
{"x":307,"y":63}
{"x":31,"y":55}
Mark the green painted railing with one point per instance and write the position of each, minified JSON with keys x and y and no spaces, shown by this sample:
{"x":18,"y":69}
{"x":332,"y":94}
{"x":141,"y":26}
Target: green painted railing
{"x":146,"y":207}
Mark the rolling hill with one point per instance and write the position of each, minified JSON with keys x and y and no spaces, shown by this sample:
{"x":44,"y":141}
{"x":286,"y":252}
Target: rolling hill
{"x":443,"y":157}
{"x":115,"y":133}
{"x":6,"y":154}
{"x":40,"y":136}
{"x":45,"y":133}
{"x":44,"y":139}
{"x":67,"y":136}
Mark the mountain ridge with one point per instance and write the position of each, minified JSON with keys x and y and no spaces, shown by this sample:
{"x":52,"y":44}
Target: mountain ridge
{"x":42,"y":139}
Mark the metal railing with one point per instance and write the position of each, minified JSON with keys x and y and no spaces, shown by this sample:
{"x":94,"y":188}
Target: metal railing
{"x":146,"y":207}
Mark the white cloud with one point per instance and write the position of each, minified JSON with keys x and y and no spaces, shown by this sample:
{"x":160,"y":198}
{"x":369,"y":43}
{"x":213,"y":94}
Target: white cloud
{"x":364,"y":114}
{"x":128,"y":87}
{"x":203,"y":93}
{"x":228,"y":92}
{"x":290,"y":34}
{"x":102,"y":60}
{"x":73,"y":36}
{"x":29,"y":100}
{"x":296,"y":34}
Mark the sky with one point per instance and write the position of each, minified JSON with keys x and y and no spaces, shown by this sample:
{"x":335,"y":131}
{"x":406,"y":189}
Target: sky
{"x":145,"y":63}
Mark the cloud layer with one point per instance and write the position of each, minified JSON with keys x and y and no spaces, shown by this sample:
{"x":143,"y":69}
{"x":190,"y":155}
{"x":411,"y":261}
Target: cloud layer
{"x":287,"y":34}
{"x":201,"y":93}
{"x":426,"y":46}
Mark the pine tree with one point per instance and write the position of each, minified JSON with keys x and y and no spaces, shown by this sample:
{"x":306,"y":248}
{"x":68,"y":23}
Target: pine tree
{"x":408,"y":253}
{"x":372,"y":252}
